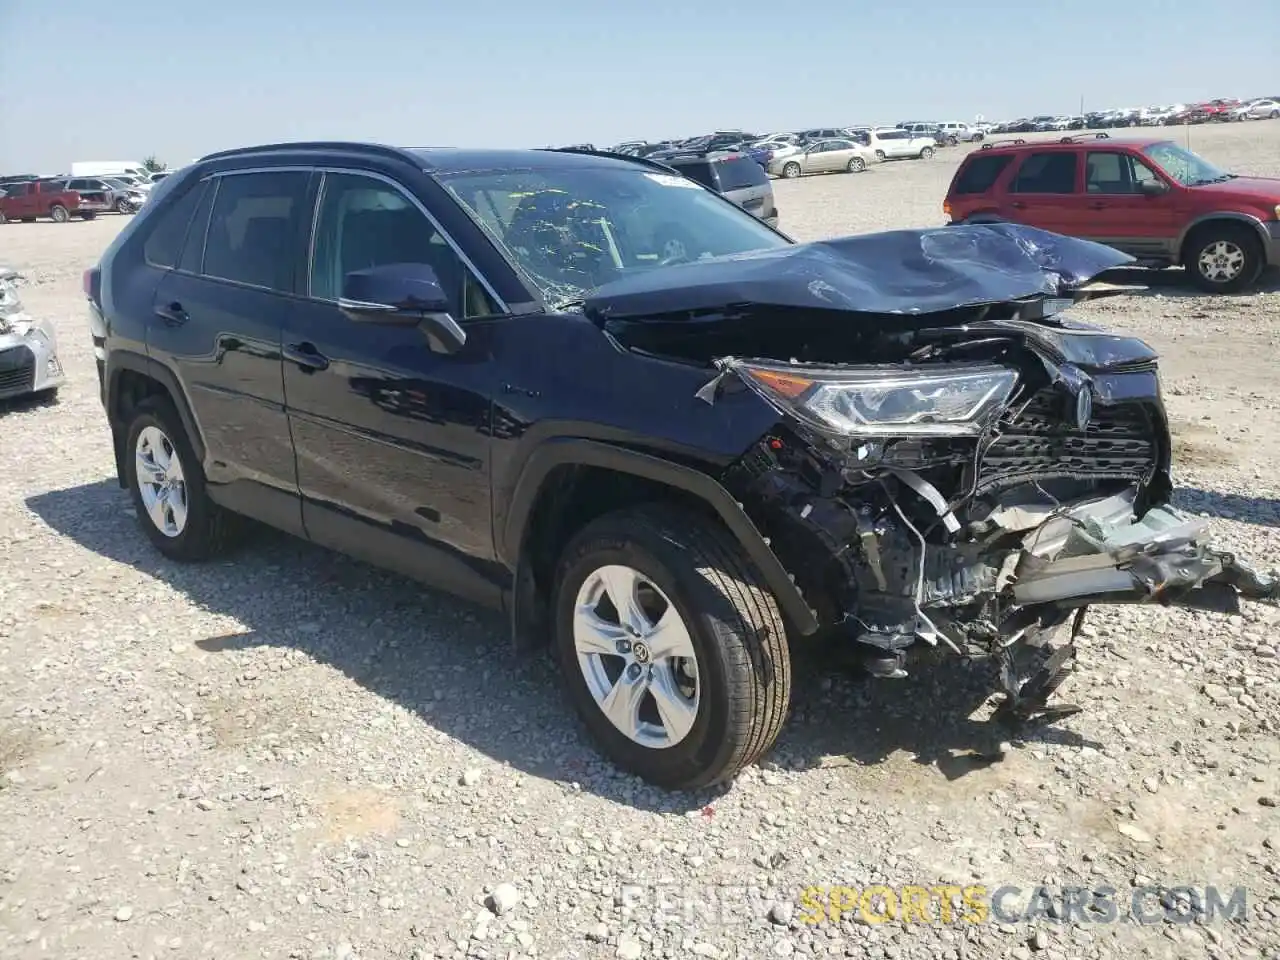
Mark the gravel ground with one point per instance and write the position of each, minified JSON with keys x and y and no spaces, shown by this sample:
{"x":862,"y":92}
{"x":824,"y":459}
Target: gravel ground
{"x":290,"y":754}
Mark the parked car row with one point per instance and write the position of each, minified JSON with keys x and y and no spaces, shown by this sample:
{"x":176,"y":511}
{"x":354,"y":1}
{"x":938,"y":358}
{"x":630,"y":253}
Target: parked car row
{"x":63,"y":198}
{"x":1217,"y":110}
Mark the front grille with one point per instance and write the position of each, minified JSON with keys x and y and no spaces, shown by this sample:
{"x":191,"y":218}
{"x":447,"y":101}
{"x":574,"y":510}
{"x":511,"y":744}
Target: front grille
{"x":1042,"y":441}
{"x":17,"y":371}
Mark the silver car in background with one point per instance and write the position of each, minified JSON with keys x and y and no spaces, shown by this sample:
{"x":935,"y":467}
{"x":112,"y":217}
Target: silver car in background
{"x":825,"y":156}
{"x":28,"y":347}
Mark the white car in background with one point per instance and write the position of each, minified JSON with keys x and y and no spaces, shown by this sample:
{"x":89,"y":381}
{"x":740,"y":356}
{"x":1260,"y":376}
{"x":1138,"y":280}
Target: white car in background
{"x":1263,"y":110}
{"x":957,"y":132}
{"x":779,"y":148}
{"x":892,"y":143}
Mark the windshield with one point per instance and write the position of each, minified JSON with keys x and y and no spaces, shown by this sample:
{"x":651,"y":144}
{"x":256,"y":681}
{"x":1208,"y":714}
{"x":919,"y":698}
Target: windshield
{"x":1184,"y":166}
{"x":575,"y":228}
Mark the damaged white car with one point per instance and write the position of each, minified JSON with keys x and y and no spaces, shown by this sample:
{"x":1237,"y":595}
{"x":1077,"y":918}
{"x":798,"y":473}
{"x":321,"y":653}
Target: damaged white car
{"x":28,"y":347}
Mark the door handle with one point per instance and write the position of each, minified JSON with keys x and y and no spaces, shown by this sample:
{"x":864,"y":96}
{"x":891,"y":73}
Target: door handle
{"x":306,"y":356}
{"x":1018,"y":205}
{"x":1097,"y":206}
{"x":173,"y":314}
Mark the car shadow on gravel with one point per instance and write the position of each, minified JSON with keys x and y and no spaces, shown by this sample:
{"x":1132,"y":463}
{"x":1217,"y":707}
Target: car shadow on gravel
{"x":451,"y":664}
{"x":1260,"y":511}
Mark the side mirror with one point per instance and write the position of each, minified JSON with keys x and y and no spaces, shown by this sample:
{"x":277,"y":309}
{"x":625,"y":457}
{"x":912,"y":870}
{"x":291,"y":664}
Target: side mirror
{"x":402,"y":295}
{"x":1153,"y":188}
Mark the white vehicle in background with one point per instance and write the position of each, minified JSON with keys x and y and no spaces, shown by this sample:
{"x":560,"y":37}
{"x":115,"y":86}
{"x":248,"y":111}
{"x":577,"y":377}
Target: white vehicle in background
{"x":957,"y":132}
{"x":1264,"y":109}
{"x":892,"y":143}
{"x":779,"y":148}
{"x":108,"y":168}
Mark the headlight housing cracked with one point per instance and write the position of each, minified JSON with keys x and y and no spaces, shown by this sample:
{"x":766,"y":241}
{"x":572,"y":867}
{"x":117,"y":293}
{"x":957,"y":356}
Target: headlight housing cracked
{"x":950,"y":400}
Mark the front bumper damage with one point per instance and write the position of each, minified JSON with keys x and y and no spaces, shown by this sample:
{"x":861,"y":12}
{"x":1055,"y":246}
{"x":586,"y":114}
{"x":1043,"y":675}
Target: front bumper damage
{"x":29,"y":362}
{"x":907,"y":519}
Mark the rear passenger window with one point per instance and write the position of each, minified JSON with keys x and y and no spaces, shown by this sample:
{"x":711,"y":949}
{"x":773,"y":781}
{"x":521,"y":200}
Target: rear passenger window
{"x":981,"y":173}
{"x":740,"y":174}
{"x":163,"y":247}
{"x":1047,"y":173}
{"x":255,"y":228}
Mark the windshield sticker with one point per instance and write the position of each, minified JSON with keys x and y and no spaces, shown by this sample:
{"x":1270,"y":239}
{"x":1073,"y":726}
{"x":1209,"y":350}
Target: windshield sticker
{"x":671,"y":180}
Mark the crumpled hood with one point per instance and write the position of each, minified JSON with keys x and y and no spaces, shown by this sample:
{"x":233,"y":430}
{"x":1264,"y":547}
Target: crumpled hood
{"x":899,"y":272}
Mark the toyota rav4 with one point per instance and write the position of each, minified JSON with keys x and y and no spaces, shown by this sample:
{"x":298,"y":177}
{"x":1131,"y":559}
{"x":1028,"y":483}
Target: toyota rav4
{"x":485,"y":369}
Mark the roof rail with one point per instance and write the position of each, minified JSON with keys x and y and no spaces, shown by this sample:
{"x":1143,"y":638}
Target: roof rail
{"x":1002,"y":143}
{"x":1075,"y":137}
{"x":380,"y":149}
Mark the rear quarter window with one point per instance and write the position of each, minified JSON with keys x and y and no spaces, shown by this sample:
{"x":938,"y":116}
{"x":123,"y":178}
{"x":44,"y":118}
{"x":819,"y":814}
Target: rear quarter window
{"x":163,"y":245}
{"x":699,"y":170}
{"x":980,"y":174}
{"x":740,"y":174}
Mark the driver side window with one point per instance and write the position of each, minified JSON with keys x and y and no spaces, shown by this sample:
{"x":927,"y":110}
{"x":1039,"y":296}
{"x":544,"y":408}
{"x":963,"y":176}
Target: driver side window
{"x":364,"y":222}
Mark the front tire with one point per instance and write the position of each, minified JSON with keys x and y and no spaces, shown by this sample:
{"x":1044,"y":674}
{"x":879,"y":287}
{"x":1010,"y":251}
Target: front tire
{"x":168,"y":486}
{"x":685,"y":679}
{"x":880,"y":155}
{"x":791,"y":170}
{"x":1223,"y":259}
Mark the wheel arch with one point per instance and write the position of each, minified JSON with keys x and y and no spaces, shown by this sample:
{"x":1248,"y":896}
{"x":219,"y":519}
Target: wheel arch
{"x":567,"y":483}
{"x":130,"y":378}
{"x":1199,"y":224}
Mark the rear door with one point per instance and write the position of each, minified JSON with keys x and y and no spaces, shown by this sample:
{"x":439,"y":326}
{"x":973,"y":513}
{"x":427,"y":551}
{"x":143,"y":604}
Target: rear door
{"x":218,"y":323}
{"x":1045,"y":192}
{"x":745,"y":182}
{"x":1120,"y":214}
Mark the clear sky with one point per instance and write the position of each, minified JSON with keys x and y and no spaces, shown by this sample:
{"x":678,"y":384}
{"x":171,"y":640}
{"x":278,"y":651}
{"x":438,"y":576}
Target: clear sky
{"x":86,"y":80}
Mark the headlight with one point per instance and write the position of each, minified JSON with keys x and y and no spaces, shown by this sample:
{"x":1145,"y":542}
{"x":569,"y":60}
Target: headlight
{"x":942,"y":401}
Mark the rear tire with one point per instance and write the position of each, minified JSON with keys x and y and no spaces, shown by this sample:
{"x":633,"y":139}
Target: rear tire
{"x":926,"y":153}
{"x":741,"y":664}
{"x":1223,"y":258}
{"x":791,"y":170}
{"x":857,"y":165}
{"x":3,"y":218}
{"x":58,"y":213}
{"x":205,"y":529}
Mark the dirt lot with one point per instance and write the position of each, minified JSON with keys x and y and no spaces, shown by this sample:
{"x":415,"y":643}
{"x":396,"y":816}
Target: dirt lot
{"x":290,"y":754}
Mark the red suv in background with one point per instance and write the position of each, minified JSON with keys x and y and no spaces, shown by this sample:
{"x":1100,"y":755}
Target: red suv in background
{"x":1149,"y":198}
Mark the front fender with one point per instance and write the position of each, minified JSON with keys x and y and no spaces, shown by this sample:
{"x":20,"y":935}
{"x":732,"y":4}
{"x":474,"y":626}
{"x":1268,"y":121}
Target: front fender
{"x":593,"y":453}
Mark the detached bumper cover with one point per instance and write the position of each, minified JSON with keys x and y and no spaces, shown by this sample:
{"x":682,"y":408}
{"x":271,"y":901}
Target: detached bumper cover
{"x":1101,"y":553}
{"x":28,"y":357}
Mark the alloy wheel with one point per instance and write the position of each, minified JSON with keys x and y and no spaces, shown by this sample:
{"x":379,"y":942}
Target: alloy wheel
{"x":161,"y":482}
{"x":1221,"y":261}
{"x":636,"y":656}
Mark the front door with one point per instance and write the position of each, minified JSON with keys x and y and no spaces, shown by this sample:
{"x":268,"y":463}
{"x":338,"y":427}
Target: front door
{"x":1120,"y":214}
{"x":1045,"y":192}
{"x":217,"y":320}
{"x":392,"y":437}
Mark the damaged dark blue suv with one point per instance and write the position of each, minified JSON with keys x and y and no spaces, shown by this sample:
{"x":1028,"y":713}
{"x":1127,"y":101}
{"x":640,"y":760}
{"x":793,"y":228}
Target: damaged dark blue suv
{"x":487,"y":370}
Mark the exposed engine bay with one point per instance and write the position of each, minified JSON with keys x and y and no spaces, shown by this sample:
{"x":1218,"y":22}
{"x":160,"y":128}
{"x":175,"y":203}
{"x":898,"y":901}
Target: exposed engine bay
{"x":956,"y":463}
